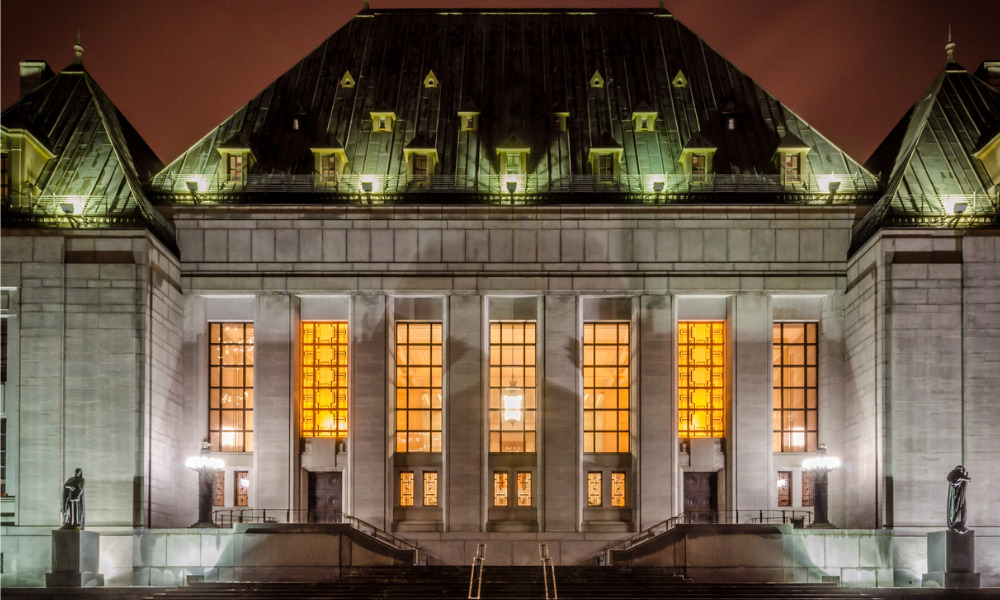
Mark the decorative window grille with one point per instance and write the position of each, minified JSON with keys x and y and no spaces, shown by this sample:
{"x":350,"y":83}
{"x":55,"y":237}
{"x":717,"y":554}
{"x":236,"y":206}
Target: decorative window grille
{"x":702,"y":379}
{"x":618,"y":489}
{"x":324,"y":379}
{"x":524,"y":488}
{"x":219,"y":488}
{"x":594,"y":486}
{"x":500,"y":488}
{"x":808,"y":488}
{"x":784,"y":488}
{"x":406,"y":488}
{"x":241,"y":490}
{"x":430,"y":488}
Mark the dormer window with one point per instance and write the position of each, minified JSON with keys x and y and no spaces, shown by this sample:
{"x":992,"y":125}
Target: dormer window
{"x":420,"y":164}
{"x":989,"y":155}
{"x":644,"y":120}
{"x":23,"y":157}
{"x":383,"y":121}
{"x":790,"y":160}
{"x":697,"y":159}
{"x":347,"y":81}
{"x":234,"y":168}
{"x":431,"y":80}
{"x":513,"y":157}
{"x":557,"y":121}
{"x":512,"y":163}
{"x":596,"y":80}
{"x":792,"y":169}
{"x":604,"y":164}
{"x":731,"y":123}
{"x":679,"y":80}
{"x":330,"y":164}
{"x":468,"y":121}
{"x":4,"y":177}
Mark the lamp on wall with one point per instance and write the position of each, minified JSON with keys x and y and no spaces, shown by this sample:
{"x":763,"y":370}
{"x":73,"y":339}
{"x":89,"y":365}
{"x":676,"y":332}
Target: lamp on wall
{"x":821,"y":464}
{"x":207,"y":466}
{"x":511,"y":186}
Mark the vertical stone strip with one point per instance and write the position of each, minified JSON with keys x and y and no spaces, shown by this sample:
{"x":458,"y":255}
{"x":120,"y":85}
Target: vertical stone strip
{"x":655,"y":410}
{"x":751,"y":402}
{"x":464,"y":414}
{"x":273,"y":405}
{"x":367,"y":491}
{"x":560,"y":416}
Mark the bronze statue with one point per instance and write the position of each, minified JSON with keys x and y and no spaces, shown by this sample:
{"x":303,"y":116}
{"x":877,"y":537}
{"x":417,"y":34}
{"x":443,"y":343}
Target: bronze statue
{"x":957,"y":480}
{"x":72,"y":501}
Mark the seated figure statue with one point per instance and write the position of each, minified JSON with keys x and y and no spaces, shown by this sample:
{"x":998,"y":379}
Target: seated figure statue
{"x":72,"y":501}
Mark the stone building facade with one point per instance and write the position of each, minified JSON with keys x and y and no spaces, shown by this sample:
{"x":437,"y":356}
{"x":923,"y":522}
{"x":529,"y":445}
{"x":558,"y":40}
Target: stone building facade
{"x":561,"y":300}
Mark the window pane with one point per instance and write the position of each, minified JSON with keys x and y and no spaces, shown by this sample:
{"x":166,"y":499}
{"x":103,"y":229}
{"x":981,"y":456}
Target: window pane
{"x":418,"y":386}
{"x":524,"y":488}
{"x":701,"y":379}
{"x":500,"y":488}
{"x":784,"y":488}
{"x":594,"y":485}
{"x":605,"y":388}
{"x":230,"y":387}
{"x":795,"y":382}
{"x":430,"y":488}
{"x":618,"y":489}
{"x":406,"y":488}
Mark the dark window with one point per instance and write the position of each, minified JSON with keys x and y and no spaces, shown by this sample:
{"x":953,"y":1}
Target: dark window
{"x":419,"y":166}
{"x":605,"y":167}
{"x":329,"y":168}
{"x":235,"y":168}
{"x":731,"y":123}
{"x":219,"y":488}
{"x":5,"y":177}
{"x":808,"y":480}
{"x":241,"y":491}
{"x":699,"y":166}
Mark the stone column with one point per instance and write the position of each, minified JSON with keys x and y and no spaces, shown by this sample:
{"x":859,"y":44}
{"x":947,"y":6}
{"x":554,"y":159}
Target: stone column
{"x":559,"y":409}
{"x":751,"y":403}
{"x":464,"y":414}
{"x":367,"y":444}
{"x":273,"y":404}
{"x":656,"y":406}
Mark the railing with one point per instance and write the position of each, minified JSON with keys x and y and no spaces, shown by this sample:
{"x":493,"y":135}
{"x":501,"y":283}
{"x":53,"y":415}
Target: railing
{"x":513,"y":188}
{"x":476,"y":574}
{"x":949,"y":209}
{"x":548,"y":572}
{"x":795,"y":517}
{"x":230,"y":516}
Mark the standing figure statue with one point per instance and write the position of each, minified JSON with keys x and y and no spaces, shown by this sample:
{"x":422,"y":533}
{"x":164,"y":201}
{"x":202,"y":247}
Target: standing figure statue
{"x":72,"y":501}
{"x":957,"y":480}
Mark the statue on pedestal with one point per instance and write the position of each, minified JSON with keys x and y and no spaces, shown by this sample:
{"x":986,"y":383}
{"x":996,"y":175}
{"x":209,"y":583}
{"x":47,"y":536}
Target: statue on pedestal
{"x":72,"y":501}
{"x":957,"y":480}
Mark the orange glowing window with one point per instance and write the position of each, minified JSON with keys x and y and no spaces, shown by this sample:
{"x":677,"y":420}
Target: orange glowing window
{"x":524,"y":488}
{"x":618,"y":489}
{"x":230,"y":387}
{"x":512,"y":386}
{"x":324,"y":379}
{"x":406,"y":488}
{"x":795,"y":387}
{"x":606,"y":387}
{"x":701,"y":366}
{"x":418,"y":386}
{"x":500,"y":488}
{"x":430,"y":488}
{"x":594,"y":488}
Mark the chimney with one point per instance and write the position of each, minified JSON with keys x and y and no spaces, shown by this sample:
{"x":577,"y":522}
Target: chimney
{"x":33,"y":74}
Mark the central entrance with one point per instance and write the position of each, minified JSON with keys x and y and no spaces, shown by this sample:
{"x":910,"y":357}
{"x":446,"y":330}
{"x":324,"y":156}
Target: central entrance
{"x":701,"y":493}
{"x":326,"y":493}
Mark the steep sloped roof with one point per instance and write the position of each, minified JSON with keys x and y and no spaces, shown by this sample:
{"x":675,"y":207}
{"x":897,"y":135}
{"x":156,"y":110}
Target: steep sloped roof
{"x":927,"y":160}
{"x":100,"y":159}
{"x":514,"y":66}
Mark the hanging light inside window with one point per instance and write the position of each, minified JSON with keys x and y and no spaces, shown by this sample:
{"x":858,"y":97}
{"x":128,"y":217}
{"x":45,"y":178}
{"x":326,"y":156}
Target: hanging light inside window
{"x":513,"y":403}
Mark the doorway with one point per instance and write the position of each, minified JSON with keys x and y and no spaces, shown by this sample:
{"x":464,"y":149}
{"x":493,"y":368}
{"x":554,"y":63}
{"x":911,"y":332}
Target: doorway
{"x":326,"y":493}
{"x":701,"y":497}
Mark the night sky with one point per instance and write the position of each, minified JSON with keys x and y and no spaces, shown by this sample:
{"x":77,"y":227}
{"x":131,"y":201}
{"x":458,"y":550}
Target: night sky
{"x":176,"y":69}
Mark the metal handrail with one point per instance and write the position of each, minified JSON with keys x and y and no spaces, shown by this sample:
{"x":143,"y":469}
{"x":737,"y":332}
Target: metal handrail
{"x":477,"y":562}
{"x":210,"y":186}
{"x":548,"y":569}
{"x":232,"y":516}
{"x":713,"y":516}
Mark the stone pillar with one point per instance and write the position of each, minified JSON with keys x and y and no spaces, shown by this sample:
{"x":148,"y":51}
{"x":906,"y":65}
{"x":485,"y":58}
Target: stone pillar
{"x":273,"y":404}
{"x":656,"y":404}
{"x":560,"y":407}
{"x":751,"y":404}
{"x":463,"y":439}
{"x":368,"y":498}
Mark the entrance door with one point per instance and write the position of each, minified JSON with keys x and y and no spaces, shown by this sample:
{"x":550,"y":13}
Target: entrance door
{"x":700,"y":497}
{"x":326,"y":492}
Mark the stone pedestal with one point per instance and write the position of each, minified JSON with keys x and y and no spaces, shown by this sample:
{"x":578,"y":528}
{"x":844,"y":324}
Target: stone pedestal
{"x":951,"y":560}
{"x":75,"y":557}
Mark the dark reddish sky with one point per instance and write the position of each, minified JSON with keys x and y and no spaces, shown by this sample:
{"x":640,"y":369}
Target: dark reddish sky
{"x":176,"y":69}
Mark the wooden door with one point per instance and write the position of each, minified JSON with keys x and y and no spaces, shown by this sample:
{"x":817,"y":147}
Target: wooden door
{"x":700,"y":497}
{"x":326,"y":492}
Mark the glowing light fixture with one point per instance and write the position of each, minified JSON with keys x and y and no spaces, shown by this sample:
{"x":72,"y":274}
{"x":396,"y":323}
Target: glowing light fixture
{"x":192,"y":186}
{"x":511,"y":186}
{"x":658,"y":186}
{"x":366,"y":186}
{"x":821,"y":464}
{"x":513,"y":403}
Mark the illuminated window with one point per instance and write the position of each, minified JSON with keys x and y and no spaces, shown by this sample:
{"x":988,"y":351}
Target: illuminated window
{"x":468,"y":121}
{"x":500,"y":488}
{"x":406,"y":488}
{"x":324,"y":379}
{"x":557,"y":121}
{"x":512,"y":163}
{"x":606,"y":387}
{"x":699,"y":166}
{"x":241,"y":488}
{"x":791,"y":169}
{"x":594,"y":486}
{"x":383,"y":121}
{"x":420,"y":166}
{"x":784,"y":488}
{"x":329,"y":171}
{"x":808,"y":486}
{"x":795,"y":387}
{"x":4,"y":176}
{"x":230,"y":387}
{"x":702,"y":379}
{"x":418,"y":387}
{"x":524,"y":488}
{"x":430,"y":488}
{"x":618,"y":489}
{"x":234,"y":168}
{"x":731,"y":123}
{"x":219,"y":488}
{"x":512,"y":386}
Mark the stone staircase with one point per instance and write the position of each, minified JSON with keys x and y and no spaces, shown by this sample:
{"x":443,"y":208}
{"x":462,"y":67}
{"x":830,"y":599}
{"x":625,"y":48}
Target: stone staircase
{"x":511,"y":583}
